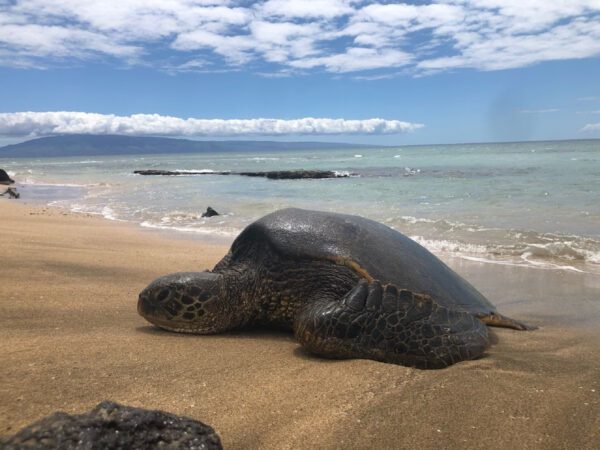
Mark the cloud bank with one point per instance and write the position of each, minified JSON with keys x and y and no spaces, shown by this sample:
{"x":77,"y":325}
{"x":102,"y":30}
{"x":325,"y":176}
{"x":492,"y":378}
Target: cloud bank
{"x":32,"y":124}
{"x":291,"y":36}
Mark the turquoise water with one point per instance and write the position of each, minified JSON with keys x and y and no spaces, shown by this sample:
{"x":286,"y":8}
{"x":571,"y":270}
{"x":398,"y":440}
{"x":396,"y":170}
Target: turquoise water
{"x":533,"y":204}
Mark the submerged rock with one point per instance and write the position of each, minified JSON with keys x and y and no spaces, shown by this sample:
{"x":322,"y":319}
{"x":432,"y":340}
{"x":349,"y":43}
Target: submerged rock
{"x":113,"y":426}
{"x":4,"y":178}
{"x":272,"y":175}
{"x":210,"y":212}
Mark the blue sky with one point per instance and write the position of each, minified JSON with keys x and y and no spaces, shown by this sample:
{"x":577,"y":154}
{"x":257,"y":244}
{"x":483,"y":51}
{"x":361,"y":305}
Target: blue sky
{"x":332,"y":70}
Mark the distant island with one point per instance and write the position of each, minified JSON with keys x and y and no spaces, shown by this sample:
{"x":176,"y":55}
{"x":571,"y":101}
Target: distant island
{"x":97,"y":145}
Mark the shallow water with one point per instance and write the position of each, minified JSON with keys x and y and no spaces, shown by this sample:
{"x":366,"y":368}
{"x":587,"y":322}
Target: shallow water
{"x":532,"y":204}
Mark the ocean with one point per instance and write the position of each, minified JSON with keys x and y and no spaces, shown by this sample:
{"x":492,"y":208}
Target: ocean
{"x":533,"y":204}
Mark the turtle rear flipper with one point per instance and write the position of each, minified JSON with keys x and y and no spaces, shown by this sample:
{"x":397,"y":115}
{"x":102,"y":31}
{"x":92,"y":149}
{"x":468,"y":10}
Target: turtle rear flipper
{"x":498,"y":320}
{"x":388,"y":324}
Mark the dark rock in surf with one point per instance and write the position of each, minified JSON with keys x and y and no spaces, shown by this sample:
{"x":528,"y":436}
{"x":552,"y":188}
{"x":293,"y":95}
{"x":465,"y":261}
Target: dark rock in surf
{"x":113,"y":426}
{"x":210,"y":212}
{"x":4,"y":178}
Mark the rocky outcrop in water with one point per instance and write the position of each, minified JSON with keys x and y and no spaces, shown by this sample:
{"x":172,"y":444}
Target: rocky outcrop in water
{"x":4,"y":178}
{"x":272,"y":175}
{"x":296,"y":174}
{"x":178,"y":172}
{"x":113,"y":426}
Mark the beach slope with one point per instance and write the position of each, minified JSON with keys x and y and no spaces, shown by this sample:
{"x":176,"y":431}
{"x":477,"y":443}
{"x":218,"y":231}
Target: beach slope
{"x":70,"y":337}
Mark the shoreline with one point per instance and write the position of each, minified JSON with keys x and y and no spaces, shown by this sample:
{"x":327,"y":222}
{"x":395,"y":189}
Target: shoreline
{"x":443,"y":248}
{"x":70,"y":337}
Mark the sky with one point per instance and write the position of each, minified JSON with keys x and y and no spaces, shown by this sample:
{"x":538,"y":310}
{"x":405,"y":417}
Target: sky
{"x":375,"y":72}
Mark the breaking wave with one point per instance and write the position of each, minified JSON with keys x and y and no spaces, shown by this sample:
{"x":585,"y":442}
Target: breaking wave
{"x":503,"y":246}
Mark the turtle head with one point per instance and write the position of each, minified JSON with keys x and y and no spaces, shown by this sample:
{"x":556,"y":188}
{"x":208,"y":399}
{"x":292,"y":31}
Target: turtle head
{"x":188,"y":302}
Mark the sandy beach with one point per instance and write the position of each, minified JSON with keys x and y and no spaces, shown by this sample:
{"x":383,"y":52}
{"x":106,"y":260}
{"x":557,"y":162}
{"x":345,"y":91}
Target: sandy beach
{"x":70,"y":337}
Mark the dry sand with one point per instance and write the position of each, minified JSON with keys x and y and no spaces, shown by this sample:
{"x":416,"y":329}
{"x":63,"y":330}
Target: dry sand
{"x":70,"y":337}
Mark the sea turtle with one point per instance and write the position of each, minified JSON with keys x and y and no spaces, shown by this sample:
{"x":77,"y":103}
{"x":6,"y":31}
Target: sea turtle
{"x":348,"y":287}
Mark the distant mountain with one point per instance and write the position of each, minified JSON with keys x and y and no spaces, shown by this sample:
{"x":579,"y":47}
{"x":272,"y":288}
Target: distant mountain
{"x":88,"y":145}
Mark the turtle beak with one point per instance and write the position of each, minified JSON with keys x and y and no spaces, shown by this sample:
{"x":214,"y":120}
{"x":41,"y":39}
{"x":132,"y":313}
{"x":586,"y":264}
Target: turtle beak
{"x":150,"y":303}
{"x":145,"y":306}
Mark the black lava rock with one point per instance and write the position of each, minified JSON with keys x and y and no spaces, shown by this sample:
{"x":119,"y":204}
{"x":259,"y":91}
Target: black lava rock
{"x":210,"y":212}
{"x":272,"y":175}
{"x":177,"y":172}
{"x":113,"y":426}
{"x":4,"y":178}
{"x":295,"y":174}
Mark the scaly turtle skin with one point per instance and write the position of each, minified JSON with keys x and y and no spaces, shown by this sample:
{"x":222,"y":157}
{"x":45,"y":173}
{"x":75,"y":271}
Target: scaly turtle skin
{"x":347,"y":286}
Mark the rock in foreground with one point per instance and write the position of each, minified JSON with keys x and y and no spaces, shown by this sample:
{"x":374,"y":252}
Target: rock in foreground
{"x":113,"y":426}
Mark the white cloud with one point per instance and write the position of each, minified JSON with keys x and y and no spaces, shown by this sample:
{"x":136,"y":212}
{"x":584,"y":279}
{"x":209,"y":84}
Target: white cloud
{"x":356,"y":58}
{"x":69,"y":122}
{"x":591,"y":127}
{"x":305,"y":9}
{"x":331,"y":35}
{"x":539,"y":111}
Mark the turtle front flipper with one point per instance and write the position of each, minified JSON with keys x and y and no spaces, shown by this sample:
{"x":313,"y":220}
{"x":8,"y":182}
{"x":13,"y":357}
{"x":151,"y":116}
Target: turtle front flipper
{"x":392,"y":325}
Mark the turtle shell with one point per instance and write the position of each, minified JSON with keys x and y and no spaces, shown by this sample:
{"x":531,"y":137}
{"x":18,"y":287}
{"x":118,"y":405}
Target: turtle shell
{"x":371,"y":248}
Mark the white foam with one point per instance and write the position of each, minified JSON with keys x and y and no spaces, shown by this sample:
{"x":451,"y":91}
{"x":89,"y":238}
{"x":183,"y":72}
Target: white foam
{"x":414,"y":220}
{"x":198,"y":171}
{"x":358,"y":156}
{"x":109,"y":213}
{"x":179,"y":216}
{"x":493,"y":261}
{"x":344,"y":173}
{"x":547,"y":265}
{"x":449,"y":246}
{"x":106,"y":211}
{"x":408,"y":171}
{"x":70,"y":163}
{"x":34,"y":182}
{"x":227,"y":232}
{"x":537,"y":256}
{"x":592,"y":257}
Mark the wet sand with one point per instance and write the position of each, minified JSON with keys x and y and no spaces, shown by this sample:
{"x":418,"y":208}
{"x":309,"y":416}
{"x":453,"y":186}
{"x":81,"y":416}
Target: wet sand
{"x":70,"y":337}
